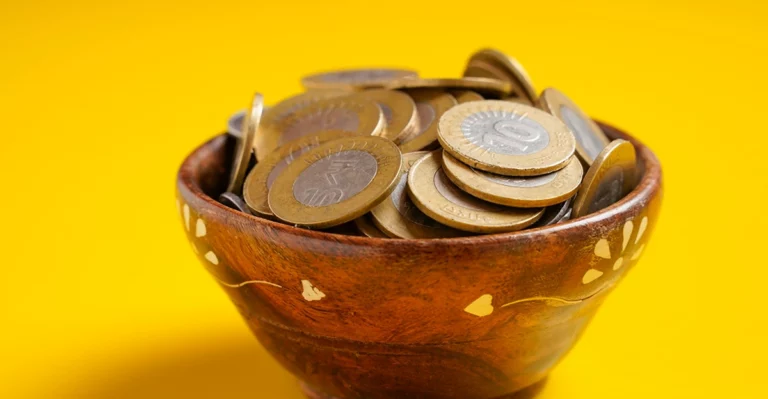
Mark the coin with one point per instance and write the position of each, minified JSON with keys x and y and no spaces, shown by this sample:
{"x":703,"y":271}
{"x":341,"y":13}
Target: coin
{"x":609,"y":179}
{"x":356,"y":79}
{"x":235,"y":123}
{"x":555,"y":214}
{"x":488,"y":87}
{"x":434,"y":194}
{"x":519,"y":100}
{"x":506,"y":138}
{"x":465,"y":96}
{"x":244,"y":145}
{"x":399,"y":111}
{"x":492,"y":63}
{"x":365,"y":225}
{"x":522,"y":192}
{"x":260,"y":179}
{"x":233,"y":201}
{"x":398,"y":217}
{"x":336,"y":182}
{"x":590,"y":139}
{"x":431,"y":104}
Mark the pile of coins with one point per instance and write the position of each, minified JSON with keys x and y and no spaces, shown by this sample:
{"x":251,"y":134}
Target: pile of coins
{"x":386,"y":153}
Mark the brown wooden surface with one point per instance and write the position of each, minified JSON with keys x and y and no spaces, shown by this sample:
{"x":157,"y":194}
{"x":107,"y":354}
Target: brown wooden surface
{"x":358,"y":317}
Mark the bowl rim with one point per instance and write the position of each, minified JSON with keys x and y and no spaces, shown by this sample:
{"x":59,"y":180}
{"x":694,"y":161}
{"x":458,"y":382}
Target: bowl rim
{"x":649,"y":185}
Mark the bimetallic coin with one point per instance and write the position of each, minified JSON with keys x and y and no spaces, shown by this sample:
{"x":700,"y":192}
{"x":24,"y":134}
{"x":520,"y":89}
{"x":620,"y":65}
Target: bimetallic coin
{"x":356,"y":79}
{"x":235,"y":123}
{"x":233,"y":201}
{"x":522,"y":192}
{"x":611,"y":177}
{"x":555,"y":214}
{"x":244,"y":145}
{"x":398,"y":217}
{"x":260,"y":179}
{"x":488,"y":87}
{"x":365,"y":226}
{"x":336,"y":182}
{"x":590,"y":139}
{"x":506,"y":138}
{"x":430,"y":106}
{"x":492,"y":63}
{"x":465,"y":96}
{"x":435,"y":195}
{"x":399,"y":111}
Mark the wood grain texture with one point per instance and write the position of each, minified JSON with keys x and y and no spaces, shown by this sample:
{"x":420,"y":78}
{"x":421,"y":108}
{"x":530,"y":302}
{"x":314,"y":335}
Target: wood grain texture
{"x":358,"y":317}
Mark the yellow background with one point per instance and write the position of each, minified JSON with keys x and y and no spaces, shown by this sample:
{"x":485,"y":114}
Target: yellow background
{"x":99,"y":103}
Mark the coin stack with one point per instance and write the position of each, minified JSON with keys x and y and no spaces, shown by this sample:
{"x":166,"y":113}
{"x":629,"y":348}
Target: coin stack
{"x":385,"y":153}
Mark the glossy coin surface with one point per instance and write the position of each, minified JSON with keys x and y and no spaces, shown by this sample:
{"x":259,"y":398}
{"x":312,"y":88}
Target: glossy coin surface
{"x":485,"y":86}
{"x":399,"y":111}
{"x":261,"y":177}
{"x":495,"y":64}
{"x":435,"y":195}
{"x":365,"y":226}
{"x":398,"y":217}
{"x":465,"y":96}
{"x":430,"y":106}
{"x":356,"y":79}
{"x":235,"y":123}
{"x":233,"y":201}
{"x":336,"y":182}
{"x":611,"y":177}
{"x":590,"y":139}
{"x":522,"y":192}
{"x":506,"y":138}
{"x":555,"y":214}
{"x":244,"y":146}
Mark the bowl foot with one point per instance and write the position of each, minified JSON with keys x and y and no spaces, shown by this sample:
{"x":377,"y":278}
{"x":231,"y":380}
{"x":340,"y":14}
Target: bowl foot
{"x":525,"y":393}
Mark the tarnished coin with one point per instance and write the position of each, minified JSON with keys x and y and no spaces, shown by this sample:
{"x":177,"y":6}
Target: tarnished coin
{"x":435,"y":195}
{"x":506,"y":138}
{"x":611,"y":177}
{"x":430,"y":106}
{"x":399,"y":112}
{"x":398,"y":217}
{"x":555,"y":214}
{"x":235,"y":123}
{"x":590,"y":139}
{"x":465,"y":96}
{"x":261,"y":177}
{"x":356,"y":79}
{"x":233,"y":201}
{"x":522,"y":192}
{"x":490,"y":63}
{"x":488,"y":87}
{"x":365,"y":226}
{"x":336,"y":182}
{"x":244,"y":146}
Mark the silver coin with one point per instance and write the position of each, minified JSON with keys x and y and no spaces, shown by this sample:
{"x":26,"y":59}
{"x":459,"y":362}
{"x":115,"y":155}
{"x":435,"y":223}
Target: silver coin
{"x":582,"y":131}
{"x":555,"y":214}
{"x":426,"y":113}
{"x":335,"y":178}
{"x":609,"y":191}
{"x":234,"y":201}
{"x":504,"y":132}
{"x":235,"y":123}
{"x":406,"y":207}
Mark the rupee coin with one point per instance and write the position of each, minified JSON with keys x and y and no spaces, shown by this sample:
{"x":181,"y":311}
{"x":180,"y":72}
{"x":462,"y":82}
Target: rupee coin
{"x":244,"y":146}
{"x":465,"y":96}
{"x":590,"y":139}
{"x":399,"y":111}
{"x":234,"y":201}
{"x":366,"y":227}
{"x":555,"y":214}
{"x":492,"y":63}
{"x":356,"y":79}
{"x":235,"y":123}
{"x":431,"y":104}
{"x":611,"y":177}
{"x":506,"y":138}
{"x":435,"y":195}
{"x":398,"y":217}
{"x":260,"y":179}
{"x":522,"y":192}
{"x":487,"y":87}
{"x":336,"y":182}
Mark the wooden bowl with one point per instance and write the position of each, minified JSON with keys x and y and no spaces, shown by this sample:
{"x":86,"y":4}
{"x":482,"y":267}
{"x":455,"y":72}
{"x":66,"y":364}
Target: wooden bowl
{"x":356,"y":317}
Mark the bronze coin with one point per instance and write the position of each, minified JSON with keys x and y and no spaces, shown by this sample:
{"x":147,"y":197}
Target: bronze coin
{"x":399,"y":111}
{"x":610,"y":178}
{"x":490,"y":63}
{"x":430,"y":105}
{"x":465,"y":96}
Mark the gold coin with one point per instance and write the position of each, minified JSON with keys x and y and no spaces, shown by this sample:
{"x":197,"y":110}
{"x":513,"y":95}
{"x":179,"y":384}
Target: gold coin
{"x":506,"y":138}
{"x":465,"y":96}
{"x":430,"y":105}
{"x":261,"y":177}
{"x":365,"y":226}
{"x":522,"y":192}
{"x":488,"y":87}
{"x":495,"y":64}
{"x":244,"y":146}
{"x":434,"y":194}
{"x":336,"y":182}
{"x":399,"y":112}
{"x":611,"y":177}
{"x":519,"y":100}
{"x":590,"y":139}
{"x":268,"y":138}
{"x":356,"y":79}
{"x":398,"y":217}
